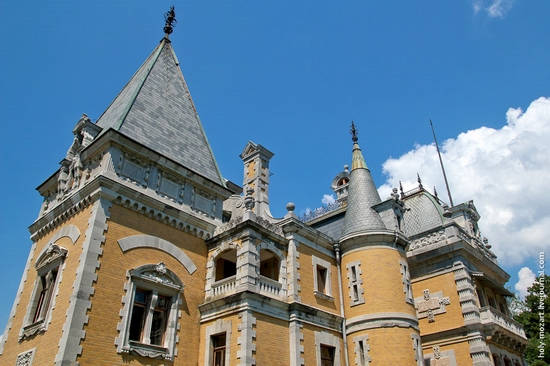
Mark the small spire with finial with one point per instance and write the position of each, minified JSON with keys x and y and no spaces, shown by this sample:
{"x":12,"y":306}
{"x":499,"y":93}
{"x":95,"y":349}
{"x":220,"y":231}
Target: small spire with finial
{"x":170,"y":19}
{"x":354,"y":132}
{"x":419,"y":181}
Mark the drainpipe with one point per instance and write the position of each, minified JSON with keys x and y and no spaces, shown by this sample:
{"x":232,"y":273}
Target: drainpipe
{"x":344,"y":331}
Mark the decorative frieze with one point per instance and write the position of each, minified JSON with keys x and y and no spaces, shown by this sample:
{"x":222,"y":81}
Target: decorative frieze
{"x":428,"y":240}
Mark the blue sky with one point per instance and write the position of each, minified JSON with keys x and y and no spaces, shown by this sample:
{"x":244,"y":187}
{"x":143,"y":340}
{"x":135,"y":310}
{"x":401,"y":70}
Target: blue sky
{"x":291,"y":76}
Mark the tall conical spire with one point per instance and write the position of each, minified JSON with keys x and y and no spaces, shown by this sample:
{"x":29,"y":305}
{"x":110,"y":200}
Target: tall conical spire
{"x":362,"y":195}
{"x":155,"y":109}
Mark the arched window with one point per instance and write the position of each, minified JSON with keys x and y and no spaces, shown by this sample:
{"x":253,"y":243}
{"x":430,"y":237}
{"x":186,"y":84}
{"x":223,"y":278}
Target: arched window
{"x":150,"y":313}
{"x":269,"y":264}
{"x":226,"y":264}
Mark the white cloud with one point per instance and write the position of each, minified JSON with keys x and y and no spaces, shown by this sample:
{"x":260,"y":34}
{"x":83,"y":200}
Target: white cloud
{"x":505,"y":171}
{"x":496,"y":8}
{"x":328,"y":199}
{"x":526,"y":278}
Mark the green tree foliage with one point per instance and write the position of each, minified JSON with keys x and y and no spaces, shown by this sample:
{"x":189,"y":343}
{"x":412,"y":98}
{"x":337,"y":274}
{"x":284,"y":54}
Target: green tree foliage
{"x":535,"y":318}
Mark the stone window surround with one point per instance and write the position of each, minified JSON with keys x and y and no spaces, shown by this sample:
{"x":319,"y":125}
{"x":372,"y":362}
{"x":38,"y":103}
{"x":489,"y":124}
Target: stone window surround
{"x":327,"y":339}
{"x":157,"y":278}
{"x":362,"y":349}
{"x":51,"y":258}
{"x":317,"y":262}
{"x":219,"y":327}
{"x":406,"y":279}
{"x":357,"y":281}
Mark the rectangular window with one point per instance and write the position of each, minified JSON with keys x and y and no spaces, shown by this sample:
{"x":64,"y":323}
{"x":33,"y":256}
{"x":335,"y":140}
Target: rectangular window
{"x":327,"y":355}
{"x":149,"y":315}
{"x":47,"y":284}
{"x":321,"y":279}
{"x":218,"y":349}
{"x":406,"y":279}
{"x":322,"y":286}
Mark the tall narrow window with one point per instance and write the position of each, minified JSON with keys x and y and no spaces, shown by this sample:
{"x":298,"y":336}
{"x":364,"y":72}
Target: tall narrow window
{"x":150,"y":314}
{"x":327,"y":355}
{"x":406,"y":279}
{"x":47,"y":284}
{"x":48,"y":267}
{"x":218,"y":349}
{"x":322,"y":286}
{"x":321,"y":280}
{"x":355,"y":283}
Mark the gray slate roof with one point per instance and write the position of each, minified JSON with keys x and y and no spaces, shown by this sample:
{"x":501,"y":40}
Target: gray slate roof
{"x":155,"y":109}
{"x":362,"y":195}
{"x":423,"y":214}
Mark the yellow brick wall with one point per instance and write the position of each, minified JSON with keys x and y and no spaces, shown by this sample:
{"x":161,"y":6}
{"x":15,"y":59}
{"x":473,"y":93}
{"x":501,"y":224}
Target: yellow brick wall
{"x":453,"y":316}
{"x":272,"y":341}
{"x":306,"y":282}
{"x":388,"y":346}
{"x":101,"y":330}
{"x":382,"y":282}
{"x":461,"y":350}
{"x":233,"y":348}
{"x":310,"y":356}
{"x":47,"y":343}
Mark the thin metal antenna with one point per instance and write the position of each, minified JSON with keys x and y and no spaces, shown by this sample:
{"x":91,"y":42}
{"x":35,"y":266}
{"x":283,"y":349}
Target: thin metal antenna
{"x":442,"y":167}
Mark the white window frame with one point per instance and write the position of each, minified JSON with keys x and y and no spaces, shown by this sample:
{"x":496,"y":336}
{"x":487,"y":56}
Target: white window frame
{"x":158,"y":280}
{"x":51,"y":259}
{"x":318,"y":263}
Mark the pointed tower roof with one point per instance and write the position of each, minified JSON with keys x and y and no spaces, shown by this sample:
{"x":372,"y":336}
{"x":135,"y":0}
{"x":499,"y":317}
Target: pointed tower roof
{"x":362,"y":195}
{"x":155,"y":109}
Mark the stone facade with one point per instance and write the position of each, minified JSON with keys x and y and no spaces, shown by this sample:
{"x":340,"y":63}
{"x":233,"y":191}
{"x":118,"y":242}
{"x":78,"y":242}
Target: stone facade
{"x":143,"y":254}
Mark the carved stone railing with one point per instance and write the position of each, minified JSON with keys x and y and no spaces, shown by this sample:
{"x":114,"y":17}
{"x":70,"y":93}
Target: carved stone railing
{"x":268,"y":286}
{"x":490,"y":315}
{"x":318,"y":212}
{"x":224,"y":287}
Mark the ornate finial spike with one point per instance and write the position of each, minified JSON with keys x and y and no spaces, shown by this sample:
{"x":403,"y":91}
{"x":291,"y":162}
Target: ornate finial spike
{"x":401,"y":190}
{"x":354,"y":132}
{"x":170,"y":19}
{"x":435,"y":192}
{"x":419,"y":181}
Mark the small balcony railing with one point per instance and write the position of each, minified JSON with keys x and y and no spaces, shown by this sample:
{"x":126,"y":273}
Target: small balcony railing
{"x":269,"y":286}
{"x":490,"y":315}
{"x":225,"y":286}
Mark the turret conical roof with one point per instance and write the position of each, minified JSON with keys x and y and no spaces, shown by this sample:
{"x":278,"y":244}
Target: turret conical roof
{"x":155,"y":109}
{"x":362,"y":195}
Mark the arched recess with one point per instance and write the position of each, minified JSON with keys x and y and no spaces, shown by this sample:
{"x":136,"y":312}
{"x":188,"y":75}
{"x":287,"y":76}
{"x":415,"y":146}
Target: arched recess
{"x":223,"y":251}
{"x":148,"y":241}
{"x":269,"y":254}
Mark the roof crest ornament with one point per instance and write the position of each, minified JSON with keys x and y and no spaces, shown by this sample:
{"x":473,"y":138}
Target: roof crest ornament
{"x":170,"y":19}
{"x":354,"y":132}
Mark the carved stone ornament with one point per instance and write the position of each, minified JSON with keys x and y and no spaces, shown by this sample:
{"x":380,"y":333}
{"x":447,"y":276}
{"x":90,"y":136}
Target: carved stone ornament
{"x":147,"y":350}
{"x":25,"y":358}
{"x":430,"y":305}
{"x":157,"y":274}
{"x":52,"y":253}
{"x":427,"y":240}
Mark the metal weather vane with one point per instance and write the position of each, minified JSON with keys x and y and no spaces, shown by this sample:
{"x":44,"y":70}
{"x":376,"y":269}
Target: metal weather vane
{"x":170,"y":19}
{"x":354,"y":132}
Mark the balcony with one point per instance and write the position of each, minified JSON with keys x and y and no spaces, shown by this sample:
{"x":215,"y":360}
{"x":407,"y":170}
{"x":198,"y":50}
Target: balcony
{"x":502,"y":329}
{"x":264,"y":286}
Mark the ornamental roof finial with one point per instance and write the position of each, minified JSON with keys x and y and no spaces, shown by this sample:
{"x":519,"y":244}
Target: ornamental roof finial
{"x":354,"y":132}
{"x":170,"y":19}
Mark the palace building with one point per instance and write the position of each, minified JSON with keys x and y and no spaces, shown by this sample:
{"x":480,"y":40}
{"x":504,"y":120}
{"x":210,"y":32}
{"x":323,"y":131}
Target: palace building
{"x":143,"y":254}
